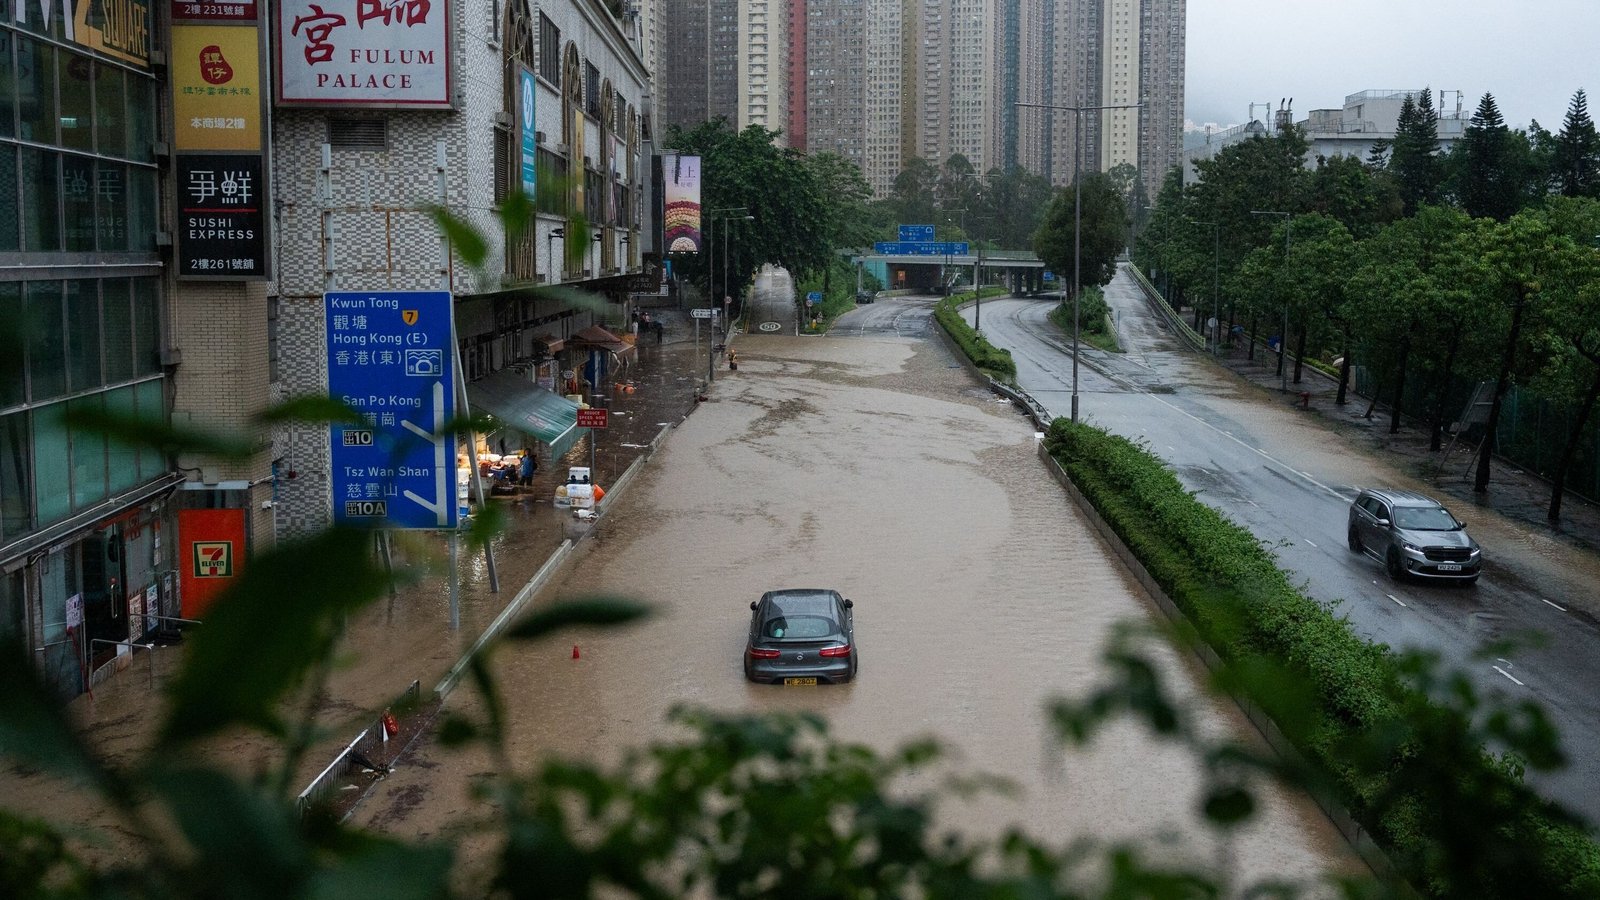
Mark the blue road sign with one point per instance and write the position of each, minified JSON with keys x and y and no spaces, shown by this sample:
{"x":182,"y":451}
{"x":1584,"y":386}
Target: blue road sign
{"x":922,"y":248}
{"x":390,"y":357}
{"x":814,"y":297}
{"x":916,"y":233}
{"x":1049,"y":275}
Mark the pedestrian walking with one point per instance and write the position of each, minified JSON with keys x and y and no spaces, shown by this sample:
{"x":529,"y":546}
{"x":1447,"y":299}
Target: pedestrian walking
{"x":660,"y":330}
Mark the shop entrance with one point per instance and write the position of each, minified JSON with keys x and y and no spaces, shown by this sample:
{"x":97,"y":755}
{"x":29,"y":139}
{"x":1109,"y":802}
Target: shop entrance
{"x":105,"y":613}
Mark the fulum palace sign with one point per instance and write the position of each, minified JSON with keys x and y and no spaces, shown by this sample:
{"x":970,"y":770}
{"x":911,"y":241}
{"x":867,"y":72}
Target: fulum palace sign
{"x":368,"y":53}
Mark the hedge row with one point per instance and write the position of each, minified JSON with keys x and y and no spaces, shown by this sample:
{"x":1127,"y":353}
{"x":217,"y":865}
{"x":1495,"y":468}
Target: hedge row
{"x":992,"y":360}
{"x":1406,"y":761}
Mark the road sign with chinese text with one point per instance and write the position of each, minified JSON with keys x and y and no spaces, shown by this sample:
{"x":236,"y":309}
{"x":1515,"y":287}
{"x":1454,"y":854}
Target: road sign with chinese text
{"x":390,"y":358}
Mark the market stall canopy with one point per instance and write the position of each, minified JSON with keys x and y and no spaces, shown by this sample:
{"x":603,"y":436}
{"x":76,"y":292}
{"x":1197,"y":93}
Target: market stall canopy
{"x":552,"y":344}
{"x":519,"y":403}
{"x":596,"y":337}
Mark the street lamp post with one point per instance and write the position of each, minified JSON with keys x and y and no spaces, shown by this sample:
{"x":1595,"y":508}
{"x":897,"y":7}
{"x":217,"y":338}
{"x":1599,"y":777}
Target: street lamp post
{"x":1077,"y":218}
{"x":1283,"y":336}
{"x":711,"y":286}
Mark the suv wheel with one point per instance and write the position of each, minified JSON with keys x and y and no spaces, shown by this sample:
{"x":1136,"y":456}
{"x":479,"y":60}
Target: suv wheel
{"x":1354,"y":539}
{"x":1392,"y":563}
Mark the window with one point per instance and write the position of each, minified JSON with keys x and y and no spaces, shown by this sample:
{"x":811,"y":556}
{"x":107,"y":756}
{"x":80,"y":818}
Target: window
{"x":146,"y":327}
{"x":110,"y":110}
{"x":83,"y":335}
{"x":118,"y":330}
{"x":13,"y":366}
{"x":36,"y":90}
{"x":549,"y":51}
{"x":41,"y":216}
{"x":122,"y":459}
{"x":74,"y":75}
{"x":51,"y":463}
{"x":8,"y":88}
{"x":591,"y":89}
{"x":111,"y":194}
{"x":152,"y":405}
{"x":88,"y":453}
{"x":8,"y":198}
{"x":47,"y":361}
{"x":77,"y":194}
{"x":15,"y":499}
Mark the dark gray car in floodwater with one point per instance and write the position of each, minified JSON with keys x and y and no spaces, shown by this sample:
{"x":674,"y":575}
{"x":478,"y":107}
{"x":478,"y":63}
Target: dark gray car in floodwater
{"x":1413,"y":535}
{"x":801,"y":636}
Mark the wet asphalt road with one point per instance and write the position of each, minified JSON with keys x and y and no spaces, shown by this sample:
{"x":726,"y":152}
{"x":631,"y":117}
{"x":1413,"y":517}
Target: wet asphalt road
{"x":1249,"y":453}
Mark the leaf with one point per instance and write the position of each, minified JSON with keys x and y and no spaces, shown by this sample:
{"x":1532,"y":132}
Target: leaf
{"x":135,"y":430}
{"x":34,"y":730}
{"x":245,"y":844}
{"x":389,"y":870}
{"x":463,"y":237}
{"x":264,"y":634}
{"x":590,"y":611}
{"x":318,"y":408}
{"x":1229,"y":805}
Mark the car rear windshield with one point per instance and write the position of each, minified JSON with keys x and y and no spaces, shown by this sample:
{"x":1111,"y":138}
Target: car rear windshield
{"x":1424,"y":518}
{"x":799,"y":627}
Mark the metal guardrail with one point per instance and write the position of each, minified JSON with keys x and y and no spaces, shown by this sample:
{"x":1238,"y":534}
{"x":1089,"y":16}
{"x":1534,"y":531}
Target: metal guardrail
{"x":352,"y":757}
{"x":1189,"y":335}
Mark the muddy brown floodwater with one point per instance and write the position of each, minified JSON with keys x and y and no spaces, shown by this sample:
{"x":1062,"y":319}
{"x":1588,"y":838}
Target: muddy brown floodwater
{"x":877,"y":467}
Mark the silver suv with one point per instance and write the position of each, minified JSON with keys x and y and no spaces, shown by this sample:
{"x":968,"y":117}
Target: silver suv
{"x":1411,"y":534}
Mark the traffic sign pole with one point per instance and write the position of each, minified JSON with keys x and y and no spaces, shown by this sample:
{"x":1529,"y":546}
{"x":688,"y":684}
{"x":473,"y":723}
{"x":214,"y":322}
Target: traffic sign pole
{"x":477,"y":479}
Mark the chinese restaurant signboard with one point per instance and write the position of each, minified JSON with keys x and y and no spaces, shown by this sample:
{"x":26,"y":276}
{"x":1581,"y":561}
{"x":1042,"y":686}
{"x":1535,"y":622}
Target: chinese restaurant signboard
{"x":222,"y":229}
{"x":216,"y":87}
{"x":368,"y":53}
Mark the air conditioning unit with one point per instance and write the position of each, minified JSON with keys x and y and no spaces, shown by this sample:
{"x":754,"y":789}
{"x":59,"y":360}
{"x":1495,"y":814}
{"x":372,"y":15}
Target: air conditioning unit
{"x":502,"y":119}
{"x":538,"y":137}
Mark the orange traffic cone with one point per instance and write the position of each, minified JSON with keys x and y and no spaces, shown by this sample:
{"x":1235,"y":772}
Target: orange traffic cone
{"x":574,"y":651}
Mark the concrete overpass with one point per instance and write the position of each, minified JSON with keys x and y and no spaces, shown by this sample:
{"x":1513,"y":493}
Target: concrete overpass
{"x":1022,"y":269}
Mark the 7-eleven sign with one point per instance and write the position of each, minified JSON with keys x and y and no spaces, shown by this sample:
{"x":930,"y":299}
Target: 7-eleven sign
{"x":213,"y":559}
{"x":213,"y":540}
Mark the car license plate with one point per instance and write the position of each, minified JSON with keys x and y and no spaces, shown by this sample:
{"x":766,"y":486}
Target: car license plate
{"x":788,"y":681}
{"x":1449,"y":567}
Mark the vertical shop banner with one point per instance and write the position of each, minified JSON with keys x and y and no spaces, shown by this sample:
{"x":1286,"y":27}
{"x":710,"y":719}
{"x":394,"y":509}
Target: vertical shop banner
{"x":211,"y":555}
{"x":222,"y":229}
{"x":216,"y":87}
{"x":391,"y":358}
{"x":527,"y":90}
{"x":373,"y":53}
{"x":681,"y":176}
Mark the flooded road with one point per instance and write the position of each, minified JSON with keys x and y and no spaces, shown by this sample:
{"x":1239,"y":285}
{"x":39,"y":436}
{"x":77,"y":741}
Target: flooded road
{"x":868,"y":461}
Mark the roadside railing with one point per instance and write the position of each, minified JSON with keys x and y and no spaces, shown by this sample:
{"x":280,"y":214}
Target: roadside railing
{"x":356,"y":755}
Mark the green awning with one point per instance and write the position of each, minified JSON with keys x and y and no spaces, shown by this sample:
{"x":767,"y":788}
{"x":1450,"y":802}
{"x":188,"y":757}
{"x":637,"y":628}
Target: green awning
{"x":519,"y":403}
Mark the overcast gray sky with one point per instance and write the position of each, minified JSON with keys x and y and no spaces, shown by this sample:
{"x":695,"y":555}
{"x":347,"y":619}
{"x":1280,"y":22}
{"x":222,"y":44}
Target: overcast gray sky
{"x":1531,"y":54}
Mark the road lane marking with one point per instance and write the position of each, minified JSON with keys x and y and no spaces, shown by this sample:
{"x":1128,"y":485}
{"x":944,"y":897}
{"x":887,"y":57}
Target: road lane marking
{"x":1509,"y":675}
{"x":1397,"y":600}
{"x":1311,"y":542}
{"x":1562,"y":608}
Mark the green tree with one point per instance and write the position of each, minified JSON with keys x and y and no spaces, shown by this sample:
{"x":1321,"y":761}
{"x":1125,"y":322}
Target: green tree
{"x":1570,"y":347}
{"x":913,"y":199}
{"x":1530,"y":269}
{"x":1345,"y":189}
{"x":793,"y":225}
{"x":1575,"y":162}
{"x":1105,"y":231}
{"x":1491,"y":175}
{"x":1414,"y":159}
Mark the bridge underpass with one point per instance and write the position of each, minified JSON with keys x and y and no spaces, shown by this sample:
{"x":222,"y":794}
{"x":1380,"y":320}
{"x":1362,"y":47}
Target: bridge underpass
{"x":1020,"y":270}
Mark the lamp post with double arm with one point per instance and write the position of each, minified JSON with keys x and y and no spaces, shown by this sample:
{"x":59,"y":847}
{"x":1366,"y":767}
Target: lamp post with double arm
{"x":1077,"y":217}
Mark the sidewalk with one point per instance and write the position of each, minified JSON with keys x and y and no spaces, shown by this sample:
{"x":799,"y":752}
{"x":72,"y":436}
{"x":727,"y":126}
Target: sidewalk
{"x":398,"y":640}
{"x":1513,"y":493}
